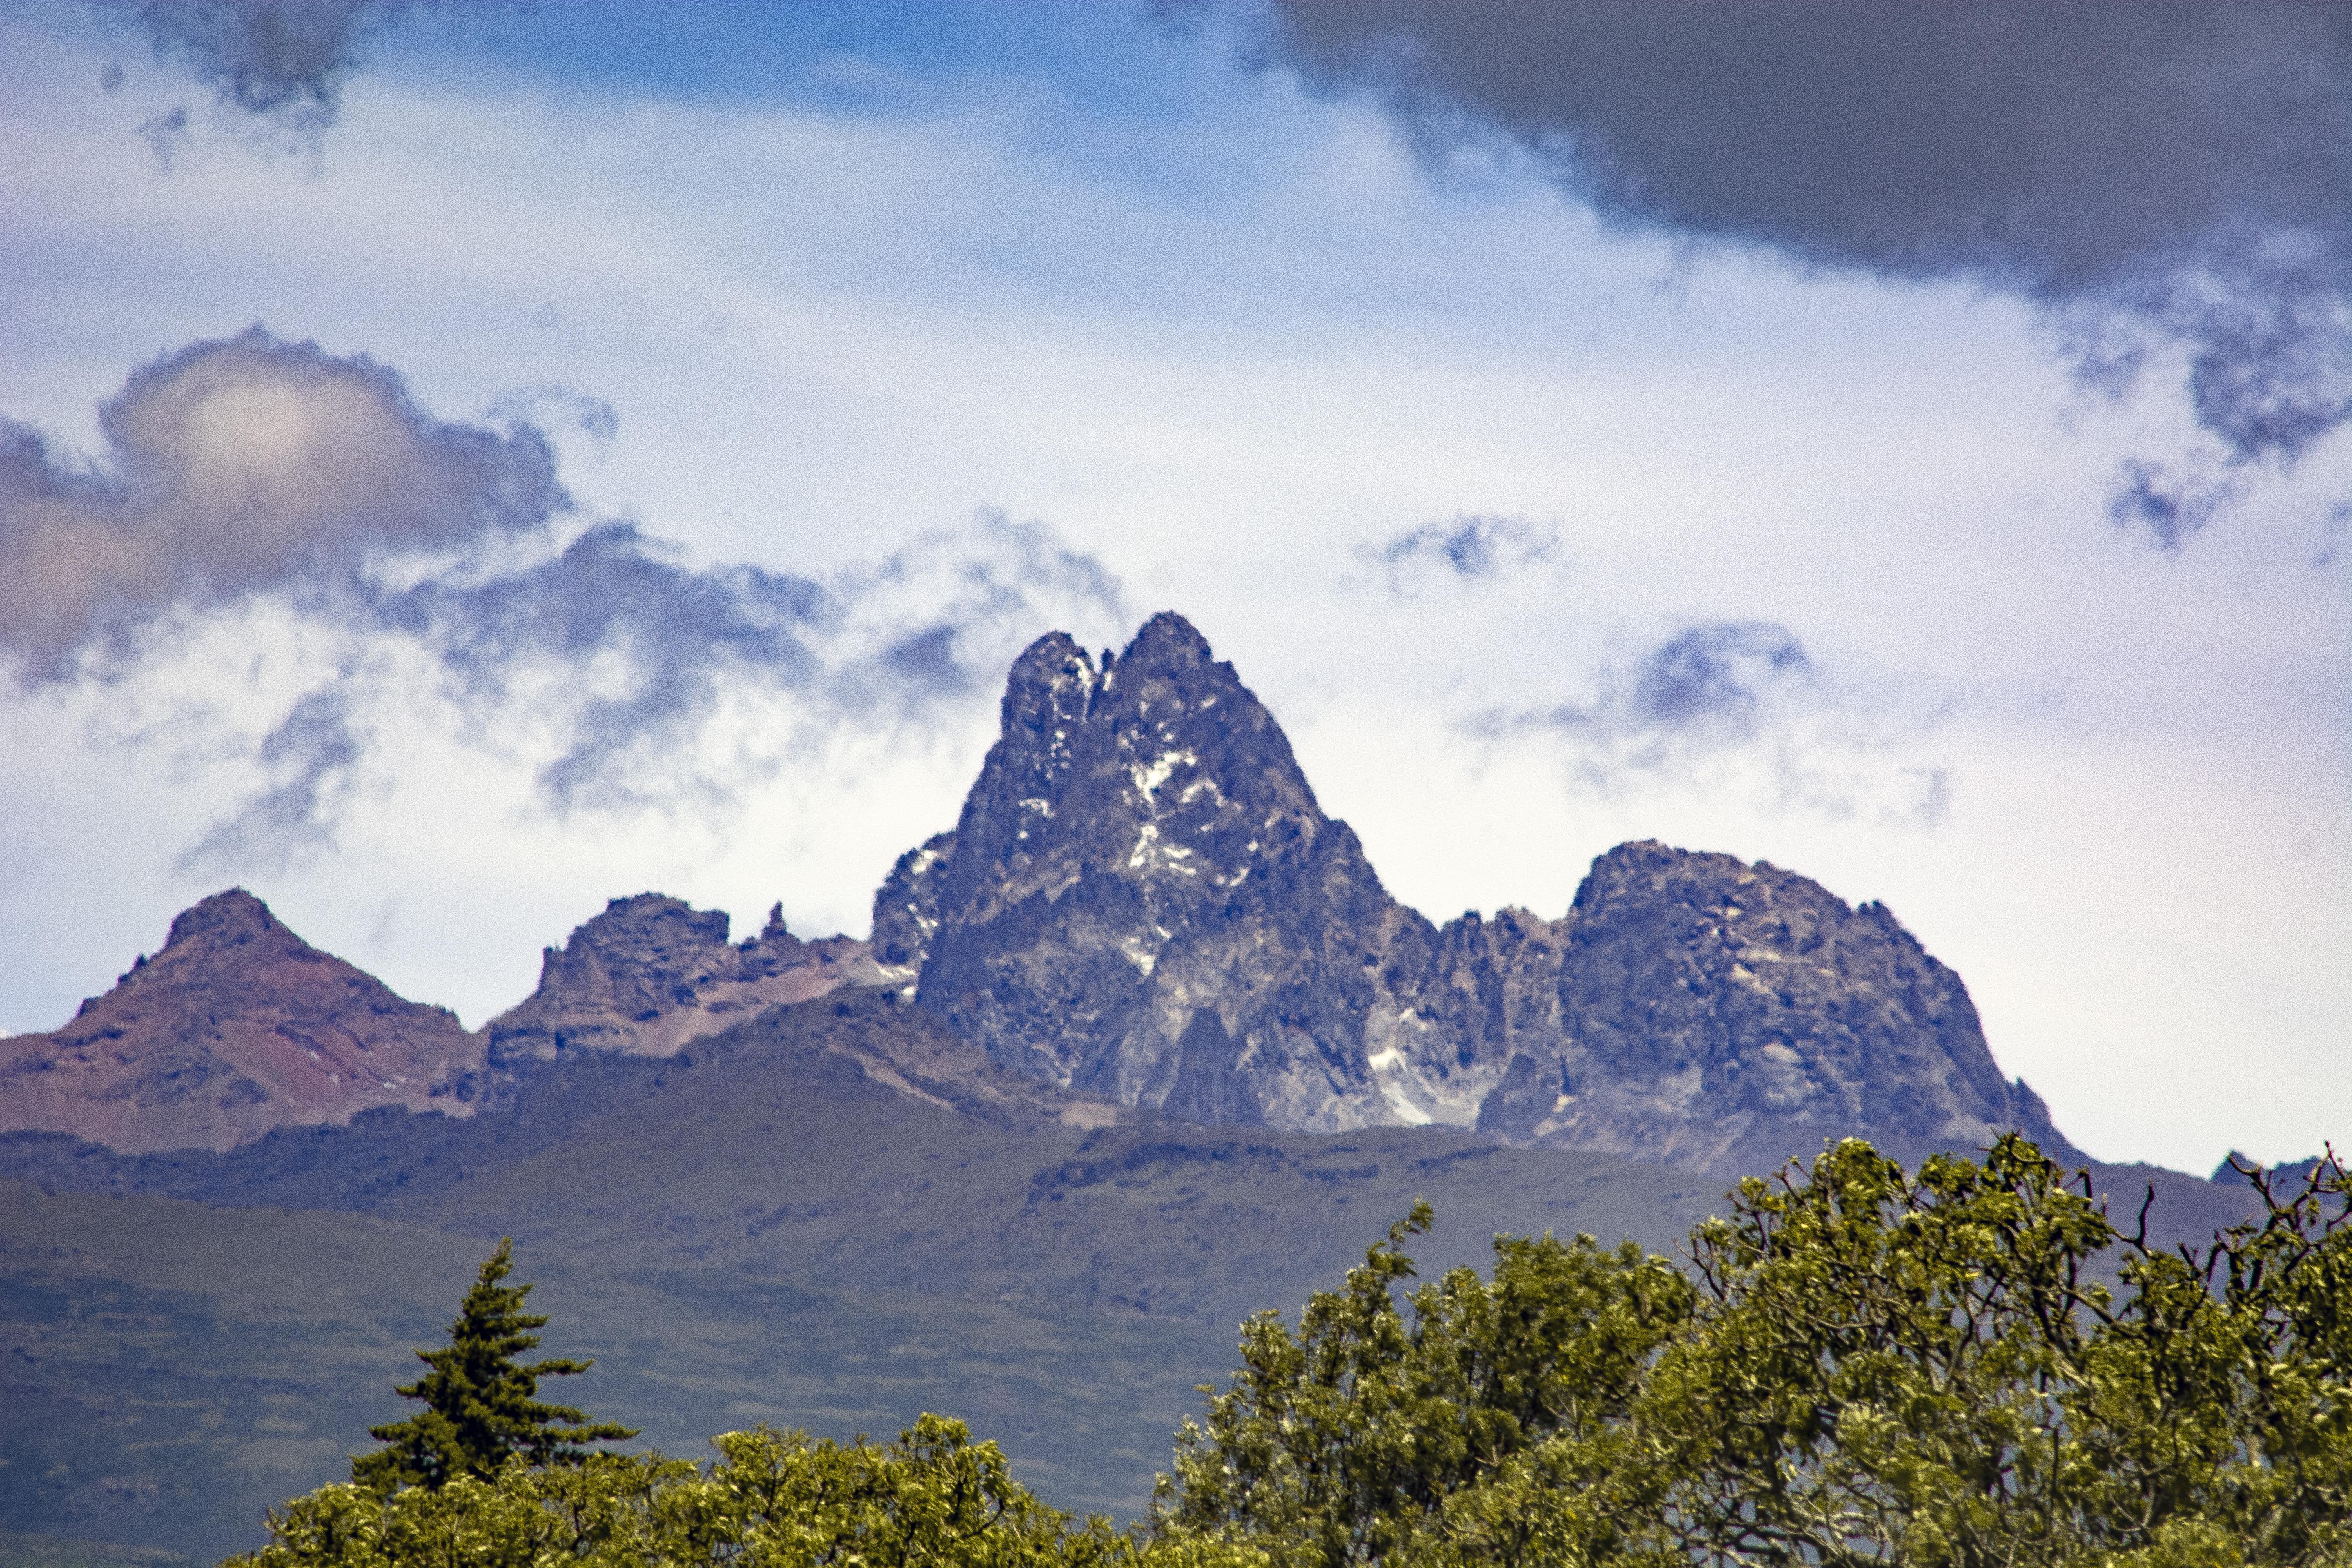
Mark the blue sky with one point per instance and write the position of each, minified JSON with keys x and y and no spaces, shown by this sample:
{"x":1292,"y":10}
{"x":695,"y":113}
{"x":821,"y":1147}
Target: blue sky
{"x":665,"y":422}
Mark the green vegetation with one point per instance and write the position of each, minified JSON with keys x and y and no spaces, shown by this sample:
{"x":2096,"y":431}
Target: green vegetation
{"x":1859,"y":1365}
{"x":933,"y":1497}
{"x":1869,"y":1368}
{"x":480,"y":1405}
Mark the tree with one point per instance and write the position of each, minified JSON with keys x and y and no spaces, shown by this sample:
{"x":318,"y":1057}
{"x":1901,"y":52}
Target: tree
{"x":480,"y":1405}
{"x":773,"y":1500}
{"x":1874,"y":1367}
{"x":1927,"y":1368}
{"x":1347,"y":1442}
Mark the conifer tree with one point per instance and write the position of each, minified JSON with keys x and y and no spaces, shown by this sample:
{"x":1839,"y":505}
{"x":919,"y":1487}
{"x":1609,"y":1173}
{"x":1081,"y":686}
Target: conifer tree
{"x":480,"y":1404}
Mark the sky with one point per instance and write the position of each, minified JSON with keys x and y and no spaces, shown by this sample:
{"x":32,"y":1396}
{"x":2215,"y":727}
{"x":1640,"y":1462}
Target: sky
{"x":461,"y":463}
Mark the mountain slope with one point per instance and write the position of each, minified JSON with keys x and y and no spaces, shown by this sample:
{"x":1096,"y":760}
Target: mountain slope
{"x":236,"y":1026}
{"x":762,"y":1225}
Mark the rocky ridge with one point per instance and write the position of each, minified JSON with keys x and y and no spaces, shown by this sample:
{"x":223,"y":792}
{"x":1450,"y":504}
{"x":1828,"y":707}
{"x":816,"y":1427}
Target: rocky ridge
{"x":1141,"y":905}
{"x":236,"y":1026}
{"x":1142,"y":898}
{"x":651,"y":972}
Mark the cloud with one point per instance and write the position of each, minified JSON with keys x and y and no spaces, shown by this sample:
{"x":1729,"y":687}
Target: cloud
{"x":1462,"y":549}
{"x":165,"y":135}
{"x":668,"y":636}
{"x":1738,"y":704}
{"x":313,"y":755}
{"x":2163,"y":180}
{"x":235,"y":466}
{"x":280,"y":64}
{"x":670,"y":645}
{"x":1706,"y":685}
{"x":1709,"y":676}
{"x":301,"y":512}
{"x":2170,"y":507}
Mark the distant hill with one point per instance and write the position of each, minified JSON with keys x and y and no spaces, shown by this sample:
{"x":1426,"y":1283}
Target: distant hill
{"x":236,"y":1026}
{"x":834,"y":1215}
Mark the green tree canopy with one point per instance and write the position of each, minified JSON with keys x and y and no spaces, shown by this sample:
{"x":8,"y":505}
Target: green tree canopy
{"x":1345,"y":1442}
{"x":481,"y":1406}
{"x":1873,"y":1367}
{"x":772,"y":1500}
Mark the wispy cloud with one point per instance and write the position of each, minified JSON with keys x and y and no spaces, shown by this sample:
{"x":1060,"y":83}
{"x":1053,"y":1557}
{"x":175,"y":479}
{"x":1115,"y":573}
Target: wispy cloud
{"x":255,"y":478}
{"x":311,"y":757}
{"x":2171,"y":184}
{"x":1468,"y":549}
{"x":1738,"y":704}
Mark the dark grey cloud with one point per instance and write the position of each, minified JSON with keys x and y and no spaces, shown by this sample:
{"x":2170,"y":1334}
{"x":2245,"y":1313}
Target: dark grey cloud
{"x":2170,"y":182}
{"x":239,"y":466}
{"x":280,"y":64}
{"x":1463,"y":549}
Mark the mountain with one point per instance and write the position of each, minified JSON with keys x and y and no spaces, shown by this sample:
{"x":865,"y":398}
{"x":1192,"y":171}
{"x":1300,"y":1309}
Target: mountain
{"x":1143,"y":899}
{"x":236,"y":1026}
{"x":652,"y":973}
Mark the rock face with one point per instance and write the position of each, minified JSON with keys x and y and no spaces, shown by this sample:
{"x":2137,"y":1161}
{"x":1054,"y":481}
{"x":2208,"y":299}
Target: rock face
{"x":652,"y":973}
{"x":236,"y":1026}
{"x":1725,"y":1016}
{"x":1142,"y":900}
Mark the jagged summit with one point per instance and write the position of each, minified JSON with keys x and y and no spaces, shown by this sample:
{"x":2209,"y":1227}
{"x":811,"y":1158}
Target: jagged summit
{"x":1726,"y":1015}
{"x":231,"y":916}
{"x":236,"y":1026}
{"x":1142,"y":898}
{"x":651,"y":972}
{"x":1139,"y":837}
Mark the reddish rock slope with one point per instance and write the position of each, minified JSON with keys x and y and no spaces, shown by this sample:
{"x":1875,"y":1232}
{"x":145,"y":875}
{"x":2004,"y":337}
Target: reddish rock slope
{"x":238,"y":1025}
{"x":651,"y":972}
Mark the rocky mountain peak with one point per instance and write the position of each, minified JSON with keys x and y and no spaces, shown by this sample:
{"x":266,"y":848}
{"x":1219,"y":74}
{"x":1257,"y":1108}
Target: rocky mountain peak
{"x":237,"y":1026}
{"x":1158,"y":769}
{"x":1142,"y":898}
{"x":1131,"y":818}
{"x":651,"y":971}
{"x":1733,"y":1015}
{"x":234,"y":915}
